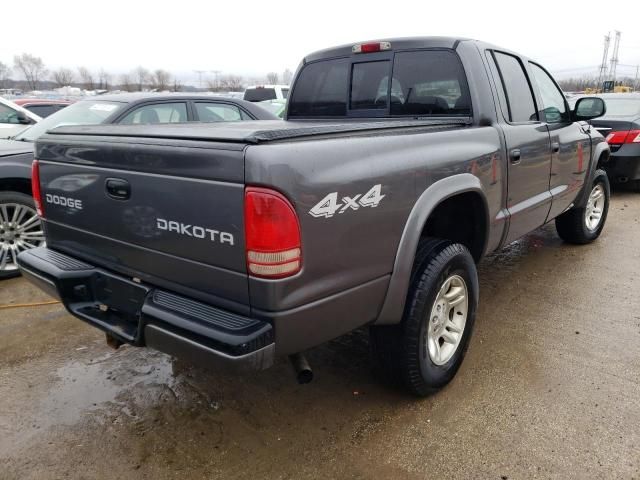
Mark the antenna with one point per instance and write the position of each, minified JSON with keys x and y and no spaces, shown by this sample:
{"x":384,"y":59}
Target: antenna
{"x":614,"y":57}
{"x":603,"y":65}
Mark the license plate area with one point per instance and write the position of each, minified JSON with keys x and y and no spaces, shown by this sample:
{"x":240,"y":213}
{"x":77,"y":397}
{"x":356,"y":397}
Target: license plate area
{"x":111,"y":303}
{"x":118,"y":294}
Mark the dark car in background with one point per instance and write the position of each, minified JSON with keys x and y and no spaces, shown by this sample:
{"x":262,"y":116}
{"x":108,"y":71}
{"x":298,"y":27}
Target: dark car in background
{"x":42,"y":107}
{"x":621,"y":128}
{"x":19,"y":225}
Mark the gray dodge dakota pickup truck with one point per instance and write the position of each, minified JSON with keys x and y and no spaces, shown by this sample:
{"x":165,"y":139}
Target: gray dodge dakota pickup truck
{"x":400,"y":163}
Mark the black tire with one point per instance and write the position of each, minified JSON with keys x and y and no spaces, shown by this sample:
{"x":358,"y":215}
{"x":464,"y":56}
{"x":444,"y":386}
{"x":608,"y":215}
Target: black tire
{"x":12,"y":198}
{"x":572,"y":225}
{"x":399,"y":351}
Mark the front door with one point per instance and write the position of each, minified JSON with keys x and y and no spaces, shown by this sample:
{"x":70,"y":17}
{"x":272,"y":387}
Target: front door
{"x":570,"y":144}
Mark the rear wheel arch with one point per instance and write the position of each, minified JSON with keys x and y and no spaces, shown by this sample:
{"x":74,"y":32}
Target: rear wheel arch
{"x":446,"y":196}
{"x":22,"y":185}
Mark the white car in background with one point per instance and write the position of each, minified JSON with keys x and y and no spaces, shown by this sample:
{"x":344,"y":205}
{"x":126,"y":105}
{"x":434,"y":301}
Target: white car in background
{"x":260,"y":93}
{"x":14,"y":119}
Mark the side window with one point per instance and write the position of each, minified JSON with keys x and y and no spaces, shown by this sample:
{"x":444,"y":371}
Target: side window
{"x":516,"y":86}
{"x":157,"y":113}
{"x":555,"y":107}
{"x":499,"y":86}
{"x":217,"y":112}
{"x":369,"y":82}
{"x":429,"y":82}
{"x":8,"y":115}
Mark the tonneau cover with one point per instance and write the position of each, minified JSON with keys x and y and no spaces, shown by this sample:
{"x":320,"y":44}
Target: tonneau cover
{"x":258,"y":131}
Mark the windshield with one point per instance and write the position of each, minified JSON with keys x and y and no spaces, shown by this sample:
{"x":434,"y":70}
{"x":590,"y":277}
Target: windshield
{"x":622,"y":107}
{"x":82,"y":113}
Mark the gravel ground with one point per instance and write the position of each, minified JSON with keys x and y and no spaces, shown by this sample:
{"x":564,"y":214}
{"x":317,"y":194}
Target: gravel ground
{"x":550,"y":388}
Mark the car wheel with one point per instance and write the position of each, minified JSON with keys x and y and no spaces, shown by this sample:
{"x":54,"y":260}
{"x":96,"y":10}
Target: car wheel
{"x":426,"y":349}
{"x":583,"y":225}
{"x":20,"y":229}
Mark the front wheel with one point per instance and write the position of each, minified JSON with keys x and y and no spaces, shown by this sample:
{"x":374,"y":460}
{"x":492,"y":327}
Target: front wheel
{"x":426,"y":349}
{"x":20,"y":229}
{"x":583,"y":225}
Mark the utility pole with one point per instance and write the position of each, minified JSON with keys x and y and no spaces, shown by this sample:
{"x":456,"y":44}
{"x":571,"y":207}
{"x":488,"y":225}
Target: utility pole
{"x":603,"y":65}
{"x":200,"y":72}
{"x":635,"y":82}
{"x":215,"y":78}
{"x":614,"y":57}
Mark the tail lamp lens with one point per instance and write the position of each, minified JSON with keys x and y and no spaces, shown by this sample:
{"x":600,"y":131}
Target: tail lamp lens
{"x":35,"y":187}
{"x":272,"y":234}
{"x":618,"y":138}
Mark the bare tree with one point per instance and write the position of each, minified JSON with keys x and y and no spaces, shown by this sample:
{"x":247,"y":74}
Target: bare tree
{"x":287,"y":76}
{"x":104,"y":78}
{"x":272,"y":78}
{"x":125,"y":82}
{"x":160,"y":79}
{"x":86,"y":78}
{"x":4,"y":75}
{"x":62,"y":77}
{"x":176,"y":85}
{"x":141,"y":75}
{"x":31,"y":67}
{"x":213,"y":85}
{"x":231,"y":83}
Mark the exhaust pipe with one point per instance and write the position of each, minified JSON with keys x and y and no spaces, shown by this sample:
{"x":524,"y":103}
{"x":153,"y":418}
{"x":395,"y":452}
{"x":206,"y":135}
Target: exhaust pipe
{"x":301,"y":367}
{"x":623,"y":179}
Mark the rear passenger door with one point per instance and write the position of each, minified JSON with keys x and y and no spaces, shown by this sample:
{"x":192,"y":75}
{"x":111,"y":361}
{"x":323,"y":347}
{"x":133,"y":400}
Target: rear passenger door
{"x":570,"y":144}
{"x":528,"y":146}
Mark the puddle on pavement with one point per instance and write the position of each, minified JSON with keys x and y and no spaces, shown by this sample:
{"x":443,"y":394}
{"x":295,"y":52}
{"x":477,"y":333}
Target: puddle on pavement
{"x":87,"y":386}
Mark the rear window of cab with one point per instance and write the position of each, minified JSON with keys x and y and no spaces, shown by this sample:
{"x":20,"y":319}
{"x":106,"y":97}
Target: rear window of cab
{"x":423,"y":83}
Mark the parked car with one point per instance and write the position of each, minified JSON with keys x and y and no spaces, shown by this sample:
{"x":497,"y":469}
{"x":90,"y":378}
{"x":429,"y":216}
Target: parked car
{"x":277,"y":107}
{"x":621,"y":127}
{"x":14,"y":118}
{"x":41,"y":106}
{"x":17,"y":211}
{"x":368,"y":206}
{"x":260,"y":93}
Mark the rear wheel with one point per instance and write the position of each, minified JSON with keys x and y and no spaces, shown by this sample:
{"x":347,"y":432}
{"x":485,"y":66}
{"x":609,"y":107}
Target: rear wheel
{"x":20,"y":229}
{"x":585,"y":224}
{"x":426,"y":349}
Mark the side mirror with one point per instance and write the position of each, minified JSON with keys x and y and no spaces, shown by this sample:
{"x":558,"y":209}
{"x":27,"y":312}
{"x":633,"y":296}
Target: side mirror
{"x":588,"y":108}
{"x":23,"y":119}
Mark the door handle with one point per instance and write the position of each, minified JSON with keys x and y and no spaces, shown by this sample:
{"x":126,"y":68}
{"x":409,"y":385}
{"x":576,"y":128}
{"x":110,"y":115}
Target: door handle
{"x":118,"y":188}
{"x":515,"y":155}
{"x":555,"y":146}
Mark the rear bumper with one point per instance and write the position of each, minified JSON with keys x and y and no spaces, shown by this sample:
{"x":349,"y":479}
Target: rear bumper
{"x":145,"y":316}
{"x":624,"y":163}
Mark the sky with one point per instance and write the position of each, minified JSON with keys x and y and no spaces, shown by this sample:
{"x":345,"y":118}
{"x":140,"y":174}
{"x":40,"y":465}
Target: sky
{"x":252,"y":38}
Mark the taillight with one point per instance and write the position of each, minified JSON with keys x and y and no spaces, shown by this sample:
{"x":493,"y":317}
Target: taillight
{"x":35,"y":187}
{"x":371,"y":47}
{"x":272,"y":234}
{"x":618,"y":138}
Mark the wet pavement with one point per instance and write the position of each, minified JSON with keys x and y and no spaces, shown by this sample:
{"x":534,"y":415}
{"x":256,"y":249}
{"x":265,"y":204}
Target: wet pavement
{"x":550,"y":388}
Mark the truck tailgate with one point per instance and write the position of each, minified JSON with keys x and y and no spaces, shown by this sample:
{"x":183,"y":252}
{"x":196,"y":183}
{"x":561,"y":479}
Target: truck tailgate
{"x":148,"y":209}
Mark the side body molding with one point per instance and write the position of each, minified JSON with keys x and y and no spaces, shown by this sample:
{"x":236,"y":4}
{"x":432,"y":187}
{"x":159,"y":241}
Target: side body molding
{"x":393,"y":306}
